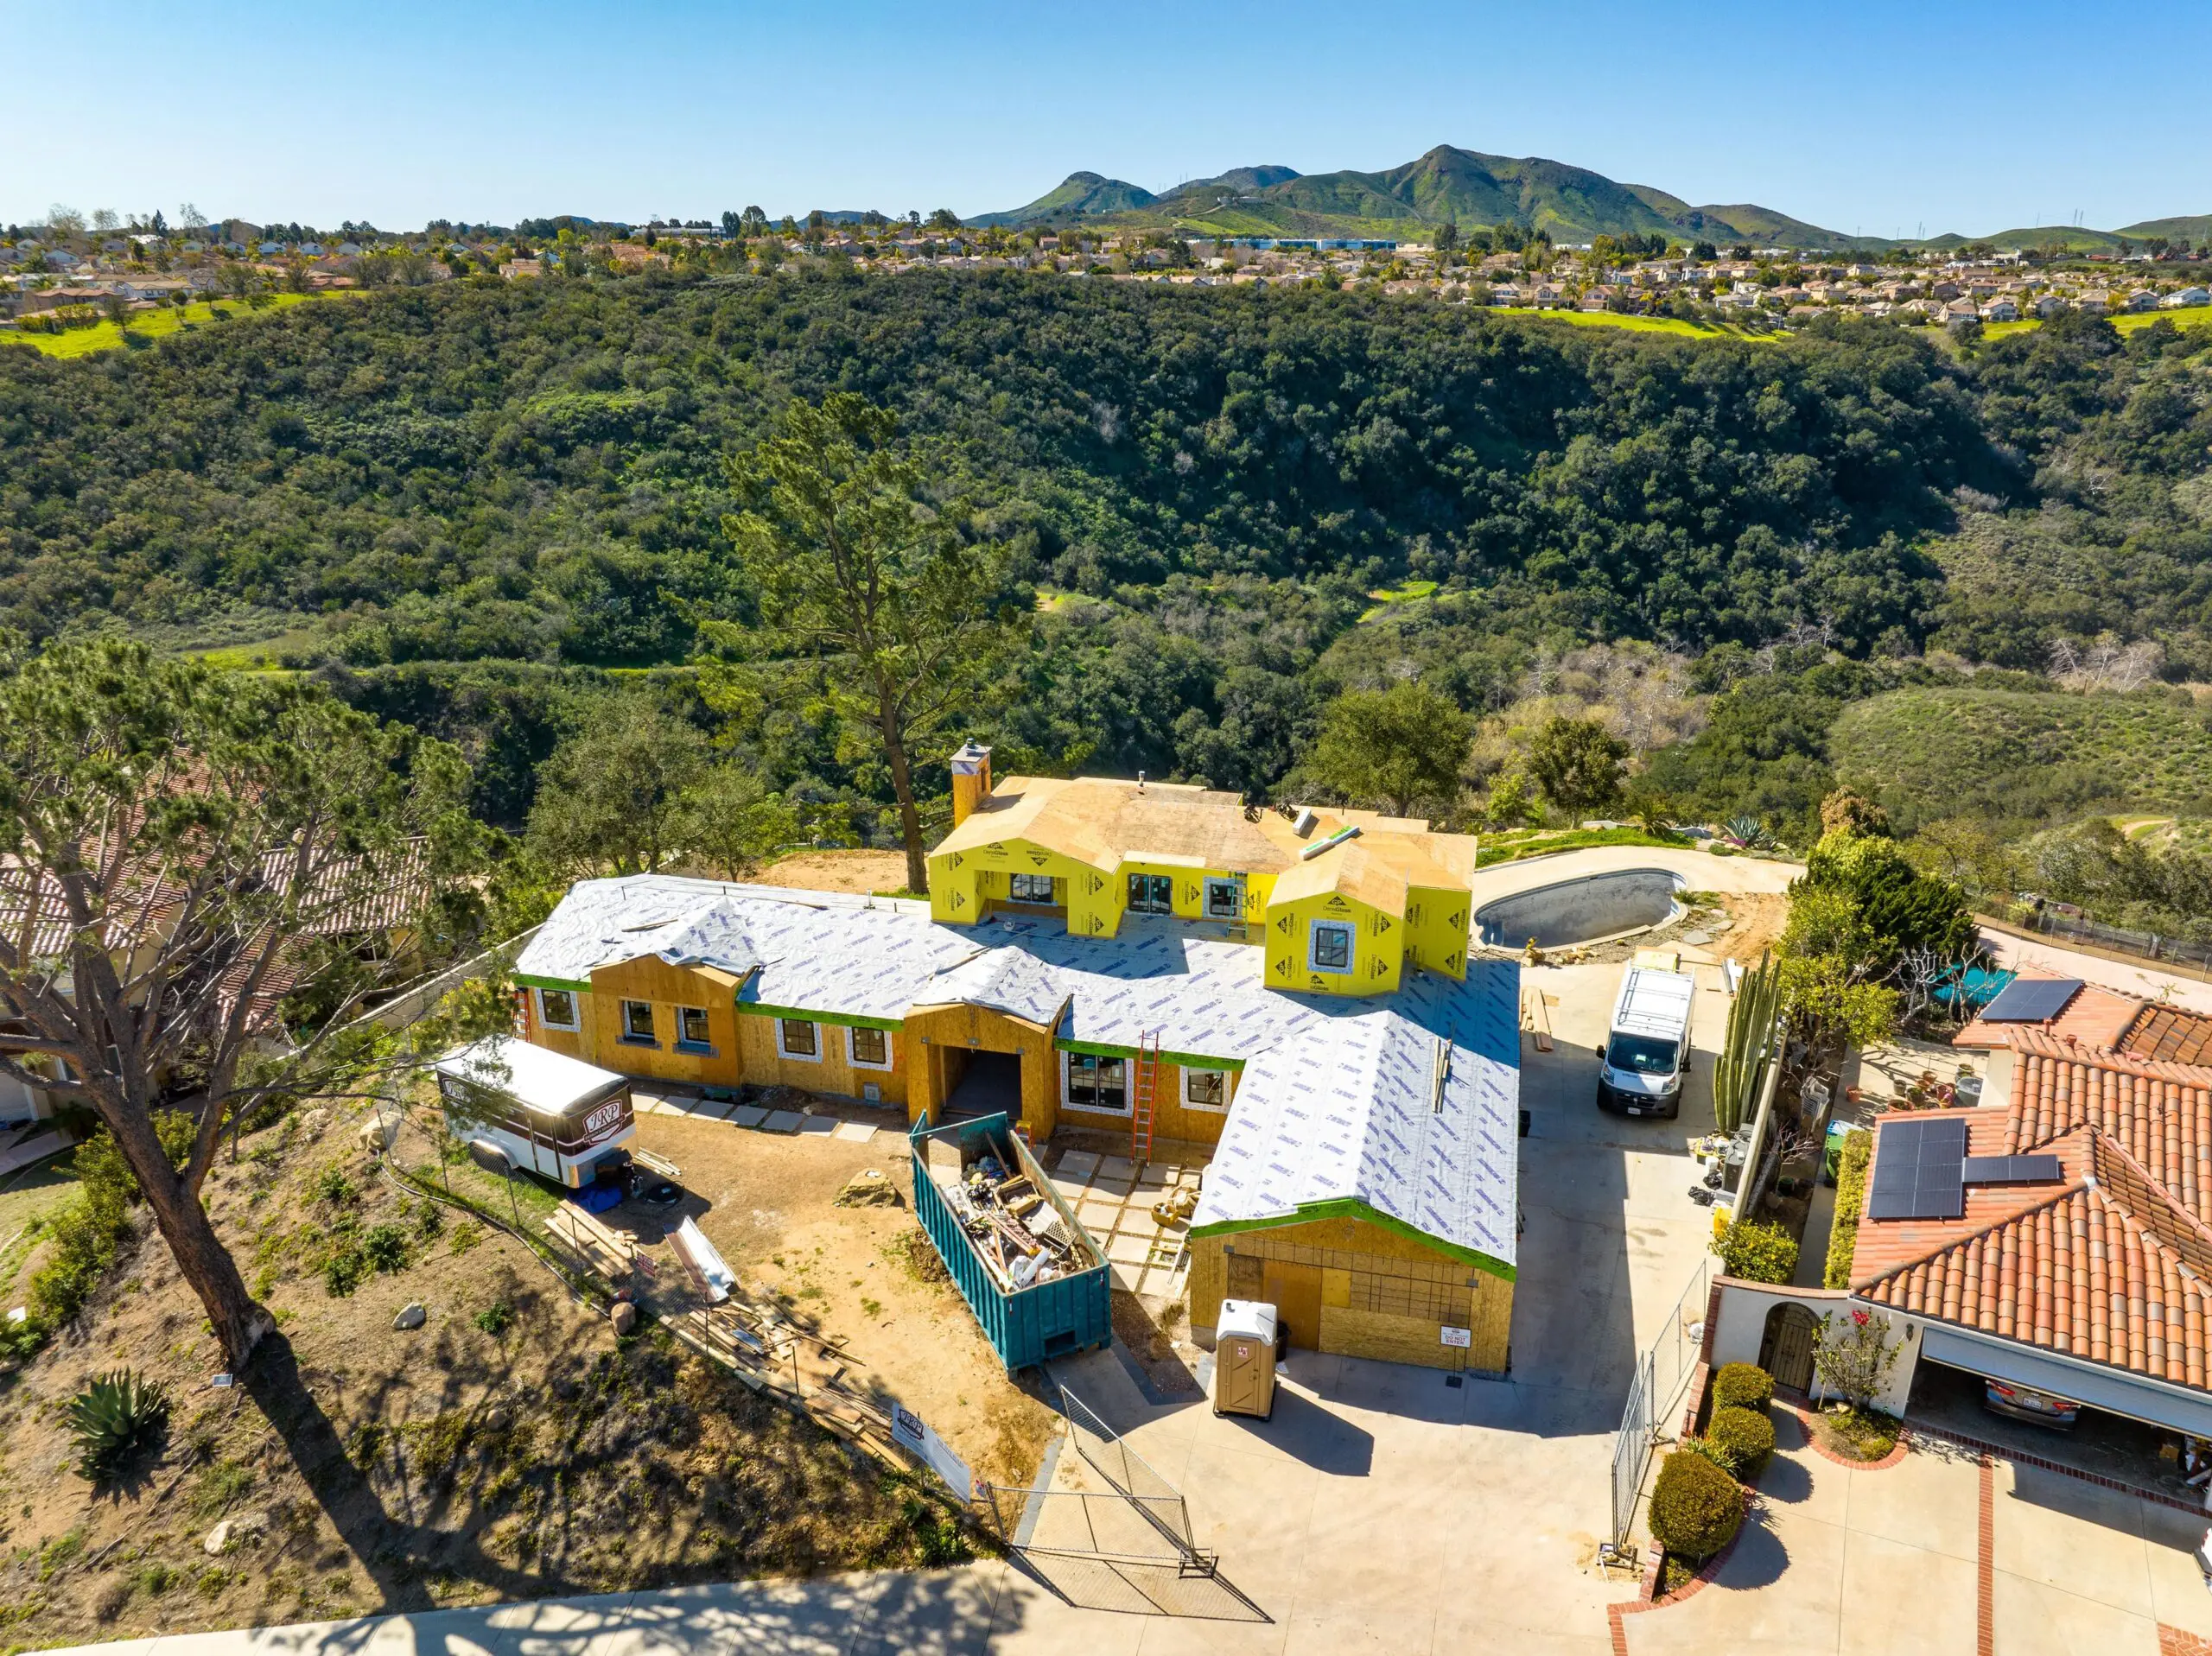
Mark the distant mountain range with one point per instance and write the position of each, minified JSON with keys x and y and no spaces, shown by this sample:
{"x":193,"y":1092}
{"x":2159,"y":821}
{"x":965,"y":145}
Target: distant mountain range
{"x":1462,"y":186}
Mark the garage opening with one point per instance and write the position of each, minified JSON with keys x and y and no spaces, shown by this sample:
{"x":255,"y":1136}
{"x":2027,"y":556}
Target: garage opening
{"x":2099,"y":1442}
{"x":986,"y":1083}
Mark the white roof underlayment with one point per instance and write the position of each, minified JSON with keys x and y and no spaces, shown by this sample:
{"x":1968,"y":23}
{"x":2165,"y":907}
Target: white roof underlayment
{"x":1406,"y":1103}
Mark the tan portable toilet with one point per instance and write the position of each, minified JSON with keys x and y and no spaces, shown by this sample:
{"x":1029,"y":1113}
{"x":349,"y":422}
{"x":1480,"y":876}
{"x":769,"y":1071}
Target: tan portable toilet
{"x":1244,"y":1358}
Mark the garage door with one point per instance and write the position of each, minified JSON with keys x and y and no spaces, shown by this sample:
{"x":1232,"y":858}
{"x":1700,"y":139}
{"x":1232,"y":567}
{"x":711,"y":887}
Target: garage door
{"x":2115,"y":1393}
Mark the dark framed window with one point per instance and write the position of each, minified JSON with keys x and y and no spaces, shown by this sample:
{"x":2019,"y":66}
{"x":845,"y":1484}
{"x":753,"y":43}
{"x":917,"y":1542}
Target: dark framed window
{"x":1331,"y":946}
{"x":1030,"y":888}
{"x":637,"y":1022}
{"x":797,"y":1038}
{"x":1096,"y":1083}
{"x":1206,"y":1090}
{"x":1224,"y":899}
{"x":691,"y":1027}
{"x":870,"y":1048}
{"x":1152,"y":894}
{"x":557,"y":1008}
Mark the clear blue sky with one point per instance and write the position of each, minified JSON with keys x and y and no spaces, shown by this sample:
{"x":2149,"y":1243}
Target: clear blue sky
{"x":1867,"y":115}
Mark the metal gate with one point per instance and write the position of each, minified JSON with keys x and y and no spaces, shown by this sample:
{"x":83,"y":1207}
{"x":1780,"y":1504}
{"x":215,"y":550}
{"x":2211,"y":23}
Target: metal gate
{"x":1110,"y":1534}
{"x":1632,"y":1446}
{"x":1662,"y":1372}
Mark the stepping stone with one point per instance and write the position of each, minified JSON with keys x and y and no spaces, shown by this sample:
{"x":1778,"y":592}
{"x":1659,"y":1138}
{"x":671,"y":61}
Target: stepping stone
{"x":817,"y":1127}
{"x":1695,"y":939}
{"x":748,"y":1116}
{"x":781,"y":1122}
{"x":1132,"y":1251}
{"x":1077,"y":1165}
{"x":857,"y":1132}
{"x":1114,"y":1190}
{"x":1125,"y":1276}
{"x":1117,"y":1167}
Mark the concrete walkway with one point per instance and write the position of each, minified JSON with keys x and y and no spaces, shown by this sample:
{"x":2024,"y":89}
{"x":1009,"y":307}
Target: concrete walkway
{"x":1924,"y":1555}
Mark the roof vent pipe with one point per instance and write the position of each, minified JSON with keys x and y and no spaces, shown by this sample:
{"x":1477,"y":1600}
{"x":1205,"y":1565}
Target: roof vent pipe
{"x":1139,"y":782}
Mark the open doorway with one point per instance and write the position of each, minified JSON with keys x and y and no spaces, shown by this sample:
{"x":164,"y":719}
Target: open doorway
{"x":983,"y":1083}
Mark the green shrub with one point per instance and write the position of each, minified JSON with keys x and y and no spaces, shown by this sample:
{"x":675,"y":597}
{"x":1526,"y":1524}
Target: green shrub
{"x":1745,"y":1436}
{"x":1753,"y":1251}
{"x":493,"y":1318}
{"x":1696,"y":1509}
{"x":1742,"y":1385}
{"x":113,"y":1418}
{"x":343,"y":1271}
{"x":385,"y":1249}
{"x":1850,"y":1203}
{"x":334,"y":1186}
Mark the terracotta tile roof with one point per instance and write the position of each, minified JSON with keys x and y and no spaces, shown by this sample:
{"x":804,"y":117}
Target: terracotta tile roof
{"x":2168,"y":1033}
{"x":2159,"y":1113}
{"x":2102,"y":1264}
{"x":2093,"y":1017}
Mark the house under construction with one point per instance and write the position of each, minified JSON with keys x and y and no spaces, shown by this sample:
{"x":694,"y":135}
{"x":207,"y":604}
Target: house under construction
{"x":1293,"y":990}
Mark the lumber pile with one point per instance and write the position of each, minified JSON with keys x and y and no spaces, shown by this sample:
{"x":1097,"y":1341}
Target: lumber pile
{"x":607,"y":1252}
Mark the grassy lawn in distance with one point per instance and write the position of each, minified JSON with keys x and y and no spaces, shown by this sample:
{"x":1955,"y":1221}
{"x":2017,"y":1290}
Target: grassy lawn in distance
{"x":150,"y":325}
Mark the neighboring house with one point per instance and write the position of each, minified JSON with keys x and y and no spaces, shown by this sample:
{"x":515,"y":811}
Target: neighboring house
{"x":1959,"y":312}
{"x":522,"y":268}
{"x":2049,"y":305}
{"x":2074,"y":1256}
{"x":370,"y":918}
{"x":1132,"y":957}
{"x":2186,"y":299}
{"x":2000,"y":310}
{"x":2093,"y":302}
{"x":2141,"y":299}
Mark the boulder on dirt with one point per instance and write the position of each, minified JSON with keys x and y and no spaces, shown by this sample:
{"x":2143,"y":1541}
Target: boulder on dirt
{"x":624,"y":1317}
{"x":313,"y":1121}
{"x":869,"y":1189}
{"x":236,"y":1527}
{"x":411,"y":1316}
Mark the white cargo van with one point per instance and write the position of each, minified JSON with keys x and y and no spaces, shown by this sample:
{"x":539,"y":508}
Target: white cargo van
{"x":1647,"y":1050}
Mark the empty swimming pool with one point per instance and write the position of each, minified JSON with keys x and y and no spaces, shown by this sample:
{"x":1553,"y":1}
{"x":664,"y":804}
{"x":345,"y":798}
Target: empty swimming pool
{"x":1581,"y":910}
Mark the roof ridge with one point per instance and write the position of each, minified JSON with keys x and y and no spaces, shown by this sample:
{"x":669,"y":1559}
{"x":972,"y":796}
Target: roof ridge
{"x":2103,"y":1144}
{"x":2036,"y":1043}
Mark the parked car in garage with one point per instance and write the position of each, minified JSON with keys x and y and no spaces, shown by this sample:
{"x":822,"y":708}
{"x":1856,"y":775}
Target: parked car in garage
{"x":2025,"y":1402}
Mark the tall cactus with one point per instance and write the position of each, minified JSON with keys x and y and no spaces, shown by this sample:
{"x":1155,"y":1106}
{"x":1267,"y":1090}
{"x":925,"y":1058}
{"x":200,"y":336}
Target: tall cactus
{"x":1751,"y":1040}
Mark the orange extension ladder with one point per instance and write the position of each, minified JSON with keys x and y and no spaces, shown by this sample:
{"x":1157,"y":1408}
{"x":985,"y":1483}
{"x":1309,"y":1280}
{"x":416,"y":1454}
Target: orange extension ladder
{"x":1141,"y":1110}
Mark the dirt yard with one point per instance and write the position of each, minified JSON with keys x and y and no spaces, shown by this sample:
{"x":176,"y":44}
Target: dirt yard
{"x":510,"y":1447}
{"x":862,"y":872}
{"x":868,"y":1274}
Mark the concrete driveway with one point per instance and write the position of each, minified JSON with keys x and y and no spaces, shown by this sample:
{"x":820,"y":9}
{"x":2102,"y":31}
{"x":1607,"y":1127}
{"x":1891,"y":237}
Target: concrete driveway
{"x":1924,"y":1555}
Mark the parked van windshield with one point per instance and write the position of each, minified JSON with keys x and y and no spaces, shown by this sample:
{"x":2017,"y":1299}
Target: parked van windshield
{"x":1641,"y":1056}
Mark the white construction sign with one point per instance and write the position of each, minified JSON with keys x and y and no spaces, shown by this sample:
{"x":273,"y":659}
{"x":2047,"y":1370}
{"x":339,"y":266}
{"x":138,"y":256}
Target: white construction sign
{"x":911,"y":1430}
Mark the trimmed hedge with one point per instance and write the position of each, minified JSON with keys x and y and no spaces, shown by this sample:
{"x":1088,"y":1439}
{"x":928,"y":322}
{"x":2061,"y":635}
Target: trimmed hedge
{"x":1696,"y":1509}
{"x":1745,"y":1436}
{"x":1742,"y":1385}
{"x":1753,"y":1251}
{"x":1850,"y":1203}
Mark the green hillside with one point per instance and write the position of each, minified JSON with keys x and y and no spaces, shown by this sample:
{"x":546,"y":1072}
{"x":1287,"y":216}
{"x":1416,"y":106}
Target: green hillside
{"x":1086,"y":194}
{"x":1448,"y":185}
{"x":2196,"y":228}
{"x":2023,"y":754}
{"x":2073,"y":237}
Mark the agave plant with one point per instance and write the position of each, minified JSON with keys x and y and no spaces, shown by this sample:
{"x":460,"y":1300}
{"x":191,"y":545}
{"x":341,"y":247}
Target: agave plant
{"x":114,"y":1417}
{"x":1748,"y":832}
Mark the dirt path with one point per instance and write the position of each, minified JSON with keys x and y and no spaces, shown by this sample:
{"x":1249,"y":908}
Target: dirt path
{"x":868,"y":1274}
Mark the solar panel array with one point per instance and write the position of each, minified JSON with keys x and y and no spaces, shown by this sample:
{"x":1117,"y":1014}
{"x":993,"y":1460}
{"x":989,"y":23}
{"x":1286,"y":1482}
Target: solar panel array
{"x":2031,"y":1001}
{"x":1917,"y":1169}
{"x":2010,"y":1170}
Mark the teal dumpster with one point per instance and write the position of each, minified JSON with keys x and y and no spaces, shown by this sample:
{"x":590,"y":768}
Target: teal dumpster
{"x":1071,"y":1313}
